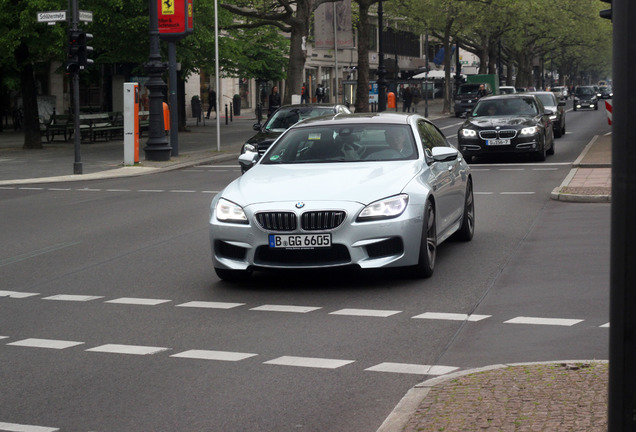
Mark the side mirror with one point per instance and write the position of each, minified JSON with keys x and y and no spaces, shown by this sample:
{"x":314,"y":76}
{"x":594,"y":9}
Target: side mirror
{"x":248,"y":159}
{"x":444,"y":154}
{"x":548,"y":112}
{"x":256,"y":126}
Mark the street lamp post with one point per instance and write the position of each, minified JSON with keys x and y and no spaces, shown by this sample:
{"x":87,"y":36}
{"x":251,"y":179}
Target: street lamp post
{"x":157,"y":147}
{"x":381,"y":68}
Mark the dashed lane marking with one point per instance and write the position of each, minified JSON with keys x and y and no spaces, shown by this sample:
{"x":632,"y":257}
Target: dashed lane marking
{"x":72,"y":298}
{"x":17,"y":295}
{"x":451,"y":316}
{"x":309,"y":362}
{"x":210,"y":305}
{"x":285,"y":308}
{"x":544,"y":321}
{"x":365,"y":312}
{"x":14,"y":427}
{"x":214,"y":355}
{"x":415,"y":369}
{"x":45,"y":343}
{"x":128,"y":349}
{"x":138,"y":301}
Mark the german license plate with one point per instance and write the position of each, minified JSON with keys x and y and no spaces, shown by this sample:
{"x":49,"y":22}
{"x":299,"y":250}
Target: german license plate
{"x":496,"y":142}
{"x":299,"y":241}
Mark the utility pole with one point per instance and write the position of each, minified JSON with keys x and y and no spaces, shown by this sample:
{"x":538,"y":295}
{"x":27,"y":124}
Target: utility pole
{"x":381,"y":68}
{"x":73,"y":69}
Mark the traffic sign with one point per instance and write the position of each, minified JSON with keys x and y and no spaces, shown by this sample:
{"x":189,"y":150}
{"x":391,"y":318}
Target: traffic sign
{"x":51,"y":16}
{"x":86,"y":16}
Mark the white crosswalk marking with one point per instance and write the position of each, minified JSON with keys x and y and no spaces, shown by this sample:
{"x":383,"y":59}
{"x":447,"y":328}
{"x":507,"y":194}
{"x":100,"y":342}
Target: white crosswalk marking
{"x":214,"y":355}
{"x":415,"y":369}
{"x":45,"y":343}
{"x":16,"y":294}
{"x":309,"y":362}
{"x":127,"y":349}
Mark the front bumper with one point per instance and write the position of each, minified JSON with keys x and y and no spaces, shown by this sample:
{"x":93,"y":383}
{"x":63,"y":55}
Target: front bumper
{"x":477,"y":146}
{"x":372,"y":244}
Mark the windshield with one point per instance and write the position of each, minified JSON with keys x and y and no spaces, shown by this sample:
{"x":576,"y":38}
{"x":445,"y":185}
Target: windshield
{"x":285,"y":118}
{"x":547,"y":99}
{"x":585,"y":91}
{"x":505,"y":107}
{"x":348,"y":143}
{"x":465,"y":89}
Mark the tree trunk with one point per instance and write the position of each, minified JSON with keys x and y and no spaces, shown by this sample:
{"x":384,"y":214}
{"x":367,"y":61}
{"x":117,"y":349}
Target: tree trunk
{"x":31,"y":126}
{"x":362,"y":90}
{"x":297,"y":56}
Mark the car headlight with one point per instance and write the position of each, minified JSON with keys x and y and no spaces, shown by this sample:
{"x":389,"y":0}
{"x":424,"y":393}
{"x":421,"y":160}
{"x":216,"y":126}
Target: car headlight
{"x":529,"y":130}
{"x":468,"y":132}
{"x":386,"y":208}
{"x":227,"y":211}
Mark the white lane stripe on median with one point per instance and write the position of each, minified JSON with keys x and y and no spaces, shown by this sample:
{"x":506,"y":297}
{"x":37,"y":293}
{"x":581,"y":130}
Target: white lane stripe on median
{"x":214,"y":355}
{"x":138,"y":301}
{"x":406,"y":368}
{"x":210,"y":305}
{"x":544,"y":321}
{"x":285,"y":308}
{"x":127,"y":349}
{"x":451,"y":316}
{"x":14,"y":427}
{"x":309,"y":362}
{"x":45,"y":343}
{"x":365,"y":312}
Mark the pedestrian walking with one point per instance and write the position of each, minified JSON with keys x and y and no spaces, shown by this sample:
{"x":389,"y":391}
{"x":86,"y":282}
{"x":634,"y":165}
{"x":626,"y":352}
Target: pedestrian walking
{"x":304,"y":94}
{"x":274,"y":101}
{"x":211,"y":103}
{"x":417,"y":95}
{"x":408,"y":99}
{"x":320,"y":93}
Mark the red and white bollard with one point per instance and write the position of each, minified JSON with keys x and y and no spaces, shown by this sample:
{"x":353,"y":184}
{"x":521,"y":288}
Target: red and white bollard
{"x":608,"y":107}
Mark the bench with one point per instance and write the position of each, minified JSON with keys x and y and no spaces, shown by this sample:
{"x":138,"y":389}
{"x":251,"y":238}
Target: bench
{"x":105,"y":125}
{"x":58,"y":124}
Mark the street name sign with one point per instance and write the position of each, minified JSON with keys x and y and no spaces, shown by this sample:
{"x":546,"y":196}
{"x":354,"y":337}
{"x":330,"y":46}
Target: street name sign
{"x":51,"y":16}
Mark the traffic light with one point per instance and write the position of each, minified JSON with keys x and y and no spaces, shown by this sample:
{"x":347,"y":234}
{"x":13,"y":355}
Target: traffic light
{"x":84,"y":49}
{"x":606,"y":13}
{"x":72,"y":61}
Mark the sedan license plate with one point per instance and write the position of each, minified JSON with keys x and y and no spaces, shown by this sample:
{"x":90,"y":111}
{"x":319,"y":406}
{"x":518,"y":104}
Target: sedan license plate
{"x":496,"y":142}
{"x":299,"y":241}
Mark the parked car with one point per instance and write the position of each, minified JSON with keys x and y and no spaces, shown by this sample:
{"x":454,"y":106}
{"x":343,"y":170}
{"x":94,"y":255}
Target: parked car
{"x":507,"y":90}
{"x":282,"y":119}
{"x":466,"y":97}
{"x":372,"y":190}
{"x":514,"y":124}
{"x":585,"y":97}
{"x":606,"y":92}
{"x":561,"y":92}
{"x":551,"y":102}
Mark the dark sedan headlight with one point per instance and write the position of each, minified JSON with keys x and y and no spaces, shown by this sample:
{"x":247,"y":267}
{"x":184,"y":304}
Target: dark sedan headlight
{"x":227,"y":211}
{"x":528,"y":130}
{"x":386,"y":208}
{"x":467,"y":133}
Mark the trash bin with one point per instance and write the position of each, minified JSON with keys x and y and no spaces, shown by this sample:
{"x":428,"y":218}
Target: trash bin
{"x":236,"y":103}
{"x":196,"y":107}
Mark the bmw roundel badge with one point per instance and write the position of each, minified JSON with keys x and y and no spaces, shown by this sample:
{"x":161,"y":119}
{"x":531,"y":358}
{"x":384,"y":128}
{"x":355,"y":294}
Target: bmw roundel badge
{"x":300,"y":205}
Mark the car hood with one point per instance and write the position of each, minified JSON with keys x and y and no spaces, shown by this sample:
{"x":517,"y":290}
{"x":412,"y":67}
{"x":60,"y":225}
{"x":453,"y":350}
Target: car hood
{"x":488,"y":122}
{"x":362,"y":182}
{"x":263,"y":136}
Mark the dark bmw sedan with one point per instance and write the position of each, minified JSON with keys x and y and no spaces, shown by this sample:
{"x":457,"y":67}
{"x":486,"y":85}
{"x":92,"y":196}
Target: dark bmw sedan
{"x":281,"y":120}
{"x":514,"y":123}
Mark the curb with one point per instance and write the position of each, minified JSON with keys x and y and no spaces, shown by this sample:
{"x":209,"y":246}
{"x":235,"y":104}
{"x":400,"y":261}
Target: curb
{"x":401,"y":414}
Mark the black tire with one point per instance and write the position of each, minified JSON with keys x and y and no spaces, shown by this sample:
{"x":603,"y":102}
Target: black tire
{"x":232,"y":275}
{"x":541,"y":154}
{"x":574,"y":108}
{"x":428,"y":244}
{"x":467,"y":228}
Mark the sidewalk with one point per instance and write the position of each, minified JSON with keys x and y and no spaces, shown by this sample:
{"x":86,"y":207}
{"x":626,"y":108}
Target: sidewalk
{"x":561,"y":396}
